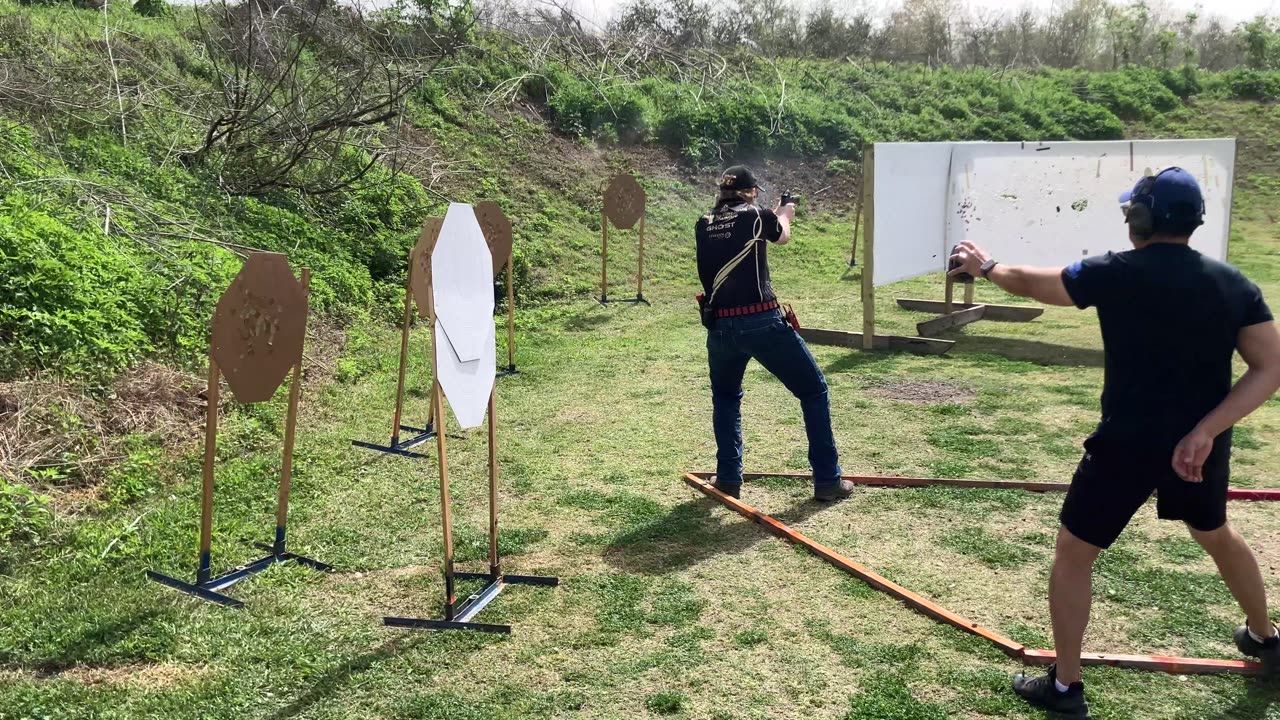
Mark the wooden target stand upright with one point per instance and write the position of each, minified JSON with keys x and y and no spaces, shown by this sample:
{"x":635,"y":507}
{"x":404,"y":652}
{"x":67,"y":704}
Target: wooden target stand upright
{"x":624,"y":205}
{"x":497,"y":232}
{"x":257,"y":336}
{"x":453,"y":338}
{"x":416,"y":290}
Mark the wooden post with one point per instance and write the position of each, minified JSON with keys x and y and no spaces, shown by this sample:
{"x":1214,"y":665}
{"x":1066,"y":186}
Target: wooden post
{"x":206,"y":486}
{"x":640,"y":269}
{"x":404,"y":353}
{"x":604,"y":255}
{"x":437,"y":410}
{"x":290,"y":430}
{"x":511,"y":313}
{"x":948,"y":296}
{"x":857,"y":218}
{"x":968,"y":293}
{"x":494,"y":570}
{"x":868,"y":250}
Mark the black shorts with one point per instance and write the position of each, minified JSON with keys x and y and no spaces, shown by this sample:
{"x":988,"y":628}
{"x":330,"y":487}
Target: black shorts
{"x":1115,"y":478}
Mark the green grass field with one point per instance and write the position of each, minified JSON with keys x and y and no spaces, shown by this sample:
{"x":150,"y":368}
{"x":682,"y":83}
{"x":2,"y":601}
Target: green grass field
{"x":670,"y":605}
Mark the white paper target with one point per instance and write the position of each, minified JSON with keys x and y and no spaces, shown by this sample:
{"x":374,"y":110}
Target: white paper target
{"x":1051,"y":204}
{"x":462,"y":290}
{"x":467,"y":384}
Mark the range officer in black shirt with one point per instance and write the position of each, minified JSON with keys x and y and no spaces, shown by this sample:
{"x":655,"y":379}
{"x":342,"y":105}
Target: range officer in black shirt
{"x":1171,"y":321}
{"x":732,"y":244}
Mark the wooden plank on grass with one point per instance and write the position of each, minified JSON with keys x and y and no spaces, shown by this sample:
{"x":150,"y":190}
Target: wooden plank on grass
{"x":912,"y":600}
{"x":1249,"y":495}
{"x":1158,"y":663}
{"x":840,"y":338}
{"x":943,"y":323}
{"x":999,"y":313}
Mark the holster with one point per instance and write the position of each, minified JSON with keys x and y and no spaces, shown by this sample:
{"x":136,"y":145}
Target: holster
{"x":705,"y":311}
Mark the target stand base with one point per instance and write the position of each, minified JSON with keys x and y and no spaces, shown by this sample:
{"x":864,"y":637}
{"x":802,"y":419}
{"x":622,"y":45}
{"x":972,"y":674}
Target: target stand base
{"x":401,"y":447}
{"x":460,"y":618}
{"x":210,"y":589}
{"x":606,"y":300}
{"x":510,"y":370}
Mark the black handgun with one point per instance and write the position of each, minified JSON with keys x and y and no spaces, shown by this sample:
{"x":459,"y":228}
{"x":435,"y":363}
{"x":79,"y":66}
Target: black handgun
{"x":952,"y":264}
{"x":786,"y":199}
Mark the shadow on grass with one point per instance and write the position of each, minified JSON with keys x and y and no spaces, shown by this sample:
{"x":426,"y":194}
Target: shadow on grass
{"x":587,"y":320}
{"x":855,"y":359}
{"x":1255,"y":704}
{"x":971,"y":347}
{"x":99,"y":644}
{"x":339,"y":678}
{"x":688,"y":534}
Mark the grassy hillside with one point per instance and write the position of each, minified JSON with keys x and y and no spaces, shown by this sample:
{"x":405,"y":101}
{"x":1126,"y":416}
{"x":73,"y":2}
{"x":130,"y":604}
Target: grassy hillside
{"x":670,"y":605}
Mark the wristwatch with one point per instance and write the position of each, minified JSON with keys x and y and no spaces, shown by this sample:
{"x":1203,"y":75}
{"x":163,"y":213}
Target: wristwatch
{"x":986,"y":268}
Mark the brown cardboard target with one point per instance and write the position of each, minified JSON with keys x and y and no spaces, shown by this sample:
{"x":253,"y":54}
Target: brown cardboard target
{"x":624,"y":201}
{"x":497,"y":232}
{"x":258,"y":327}
{"x":420,"y":277}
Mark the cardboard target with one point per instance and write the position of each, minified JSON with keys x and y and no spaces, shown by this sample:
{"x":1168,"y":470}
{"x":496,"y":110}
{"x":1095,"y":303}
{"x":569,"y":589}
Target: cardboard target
{"x":497,"y":232}
{"x":420,"y":273}
{"x":259,"y":327}
{"x":624,"y":201}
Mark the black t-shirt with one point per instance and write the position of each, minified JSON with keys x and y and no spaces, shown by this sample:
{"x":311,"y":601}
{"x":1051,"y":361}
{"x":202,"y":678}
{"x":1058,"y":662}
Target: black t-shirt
{"x":1170,"y":318}
{"x":737,"y":232}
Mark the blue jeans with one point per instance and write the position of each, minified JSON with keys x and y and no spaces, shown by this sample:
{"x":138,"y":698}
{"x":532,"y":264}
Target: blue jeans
{"x":768,"y":338}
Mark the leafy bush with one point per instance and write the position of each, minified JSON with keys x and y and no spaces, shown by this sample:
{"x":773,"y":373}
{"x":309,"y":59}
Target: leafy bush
{"x":70,"y":300}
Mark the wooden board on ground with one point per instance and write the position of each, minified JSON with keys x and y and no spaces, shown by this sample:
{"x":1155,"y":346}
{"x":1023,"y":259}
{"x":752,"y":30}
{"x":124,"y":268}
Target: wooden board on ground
{"x":840,"y":338}
{"x":1001,"y":313}
{"x":943,"y":323}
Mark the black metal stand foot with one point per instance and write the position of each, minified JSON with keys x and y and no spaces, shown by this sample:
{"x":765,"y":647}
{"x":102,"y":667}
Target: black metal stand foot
{"x":634,"y":301}
{"x":401,"y":447}
{"x":208,"y":590}
{"x":460,"y":618}
{"x":511,"y":370}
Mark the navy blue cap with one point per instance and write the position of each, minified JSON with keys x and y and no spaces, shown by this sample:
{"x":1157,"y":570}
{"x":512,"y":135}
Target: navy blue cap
{"x":1172,"y":194}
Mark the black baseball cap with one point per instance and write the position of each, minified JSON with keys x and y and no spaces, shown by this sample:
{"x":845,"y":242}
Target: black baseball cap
{"x":738,"y":177}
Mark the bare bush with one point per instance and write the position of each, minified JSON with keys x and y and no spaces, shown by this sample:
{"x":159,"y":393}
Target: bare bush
{"x":278,"y":120}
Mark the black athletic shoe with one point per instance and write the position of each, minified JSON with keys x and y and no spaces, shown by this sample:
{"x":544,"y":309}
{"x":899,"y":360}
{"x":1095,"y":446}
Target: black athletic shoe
{"x":1268,"y":651}
{"x":1042,"y":693}
{"x":839,"y":491}
{"x":733,"y":491}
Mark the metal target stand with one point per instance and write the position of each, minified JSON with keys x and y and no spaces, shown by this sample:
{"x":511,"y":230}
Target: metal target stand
{"x":206,"y":585}
{"x":624,"y":204}
{"x":461,"y":615}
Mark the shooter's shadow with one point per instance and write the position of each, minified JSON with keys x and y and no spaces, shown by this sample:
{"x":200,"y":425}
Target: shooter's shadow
{"x":689,"y":534}
{"x":1032,"y":351}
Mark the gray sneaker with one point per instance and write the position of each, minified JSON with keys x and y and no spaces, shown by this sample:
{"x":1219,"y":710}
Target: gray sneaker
{"x":830,"y":493}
